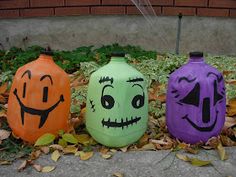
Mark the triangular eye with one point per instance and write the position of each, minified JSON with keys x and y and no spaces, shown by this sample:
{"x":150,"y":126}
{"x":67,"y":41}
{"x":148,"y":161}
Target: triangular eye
{"x":217,"y":96}
{"x":193,"y":96}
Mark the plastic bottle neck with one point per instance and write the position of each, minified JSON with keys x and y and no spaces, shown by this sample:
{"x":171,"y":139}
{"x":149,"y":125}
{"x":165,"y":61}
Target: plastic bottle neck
{"x":118,"y":59}
{"x":196,"y":60}
{"x":45,"y":57}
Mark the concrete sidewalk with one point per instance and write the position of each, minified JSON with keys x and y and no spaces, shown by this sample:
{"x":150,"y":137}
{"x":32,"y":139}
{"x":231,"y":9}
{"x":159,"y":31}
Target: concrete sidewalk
{"x":130,"y":164}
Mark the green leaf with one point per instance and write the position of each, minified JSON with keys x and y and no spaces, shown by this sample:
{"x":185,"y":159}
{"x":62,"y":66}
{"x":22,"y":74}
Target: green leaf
{"x":61,"y":132}
{"x":45,"y":139}
{"x":199,"y":163}
{"x":69,"y":138}
{"x":62,"y":142}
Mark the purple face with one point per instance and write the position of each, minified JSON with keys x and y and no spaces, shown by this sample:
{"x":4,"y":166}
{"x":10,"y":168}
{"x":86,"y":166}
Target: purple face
{"x":195,"y":103}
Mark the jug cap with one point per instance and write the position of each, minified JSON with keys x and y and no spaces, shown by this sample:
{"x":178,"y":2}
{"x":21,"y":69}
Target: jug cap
{"x":47,"y":51}
{"x":118,"y":54}
{"x":196,"y":54}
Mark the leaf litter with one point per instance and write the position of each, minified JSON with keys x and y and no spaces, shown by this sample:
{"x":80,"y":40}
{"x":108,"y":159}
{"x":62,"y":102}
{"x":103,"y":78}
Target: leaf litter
{"x":77,"y":141}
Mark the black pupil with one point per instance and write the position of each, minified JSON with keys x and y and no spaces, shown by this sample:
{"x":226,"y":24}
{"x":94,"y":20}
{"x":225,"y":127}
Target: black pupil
{"x":45,"y":94}
{"x":138,"y":101}
{"x":107,"y":101}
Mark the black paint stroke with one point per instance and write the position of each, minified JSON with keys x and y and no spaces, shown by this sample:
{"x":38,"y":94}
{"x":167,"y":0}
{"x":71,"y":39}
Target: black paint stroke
{"x":186,"y":79}
{"x":92,"y":105}
{"x":193,"y":97}
{"x":24,"y":90}
{"x":42,"y":113}
{"x":106,"y":79}
{"x":174,"y":91}
{"x":45,"y":94}
{"x":206,"y":112}
{"x":46,"y":76}
{"x":27,"y":72}
{"x":217,"y":96}
{"x":202,"y":129}
{"x":122,"y":124}
{"x":176,"y":96}
{"x":219,"y":78}
{"x":107,"y":101}
{"x":135,"y":80}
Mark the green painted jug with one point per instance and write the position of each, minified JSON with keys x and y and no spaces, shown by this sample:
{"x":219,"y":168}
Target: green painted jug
{"x":117,"y":103}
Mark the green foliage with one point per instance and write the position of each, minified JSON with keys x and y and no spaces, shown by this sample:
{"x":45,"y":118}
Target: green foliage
{"x":16,"y":57}
{"x":70,"y":61}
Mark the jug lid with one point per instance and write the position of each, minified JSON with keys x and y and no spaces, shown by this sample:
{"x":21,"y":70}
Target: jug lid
{"x":47,"y":51}
{"x":118,"y":54}
{"x":196,"y":57}
{"x":196,"y":54}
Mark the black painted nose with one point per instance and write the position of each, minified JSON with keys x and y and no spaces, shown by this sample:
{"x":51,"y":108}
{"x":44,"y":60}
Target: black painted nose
{"x":206,"y":112}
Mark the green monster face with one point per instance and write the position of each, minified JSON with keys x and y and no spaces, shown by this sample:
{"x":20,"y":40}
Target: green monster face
{"x":117,"y":108}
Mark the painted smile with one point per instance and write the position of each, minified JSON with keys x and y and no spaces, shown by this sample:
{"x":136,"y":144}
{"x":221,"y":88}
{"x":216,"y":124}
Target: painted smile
{"x":121,"y":124}
{"x":42,"y":113}
{"x":202,"y":129}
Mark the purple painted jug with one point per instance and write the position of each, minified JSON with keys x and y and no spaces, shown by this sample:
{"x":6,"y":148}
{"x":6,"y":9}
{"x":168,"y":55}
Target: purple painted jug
{"x":196,"y":102}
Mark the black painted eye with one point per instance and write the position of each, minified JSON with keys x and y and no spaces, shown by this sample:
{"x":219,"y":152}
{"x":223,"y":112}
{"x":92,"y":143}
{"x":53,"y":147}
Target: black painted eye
{"x":107,"y":101}
{"x":45,"y":94}
{"x":138,"y":101}
{"x":24,"y":90}
{"x":217,"y":96}
{"x":193,"y":96}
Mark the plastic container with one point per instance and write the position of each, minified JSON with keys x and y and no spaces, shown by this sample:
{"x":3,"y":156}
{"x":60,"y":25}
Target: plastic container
{"x":39,"y":100}
{"x":196,"y":102}
{"x":117,"y":103}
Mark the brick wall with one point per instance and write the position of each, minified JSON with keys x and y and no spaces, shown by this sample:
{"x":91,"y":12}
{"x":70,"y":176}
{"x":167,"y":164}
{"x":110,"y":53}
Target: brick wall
{"x":41,"y":8}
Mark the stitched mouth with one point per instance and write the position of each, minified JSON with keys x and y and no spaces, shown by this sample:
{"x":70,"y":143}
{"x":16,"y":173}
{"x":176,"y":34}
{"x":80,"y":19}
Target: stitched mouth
{"x":123,"y":123}
{"x":202,"y":129}
{"x":42,"y":113}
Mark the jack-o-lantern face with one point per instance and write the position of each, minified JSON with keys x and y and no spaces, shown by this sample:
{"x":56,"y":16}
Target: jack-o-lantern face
{"x":196,"y":103}
{"x":39,"y":99}
{"x":116,"y":106}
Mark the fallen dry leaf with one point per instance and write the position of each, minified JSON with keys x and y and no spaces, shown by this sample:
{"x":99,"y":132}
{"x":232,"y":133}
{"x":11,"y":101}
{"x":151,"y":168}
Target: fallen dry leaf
{"x":118,"y":174}
{"x":55,"y":155}
{"x":45,"y":149}
{"x":56,"y":147}
{"x":182,"y":157}
{"x":3,"y":88}
{"x":106,"y":156}
{"x":226,"y":141}
{"x":37,"y":167}
{"x":143,"y":140}
{"x":4,"y":134}
{"x":222,"y":153}
{"x":84,"y":155}
{"x":70,"y":150}
{"x":2,"y":99}
{"x":124,"y":149}
{"x":35,"y":154}
{"x":231,"y":108}
{"x":22,"y":165}
{"x":48,"y":169}
{"x":83,"y":139}
{"x":103,"y":150}
{"x":5,"y":162}
{"x":149,"y":146}
{"x":229,"y":122}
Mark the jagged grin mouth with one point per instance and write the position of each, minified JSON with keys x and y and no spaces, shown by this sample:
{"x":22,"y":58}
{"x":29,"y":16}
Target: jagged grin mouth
{"x":123,"y":122}
{"x":202,"y":129}
{"x":42,"y":113}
